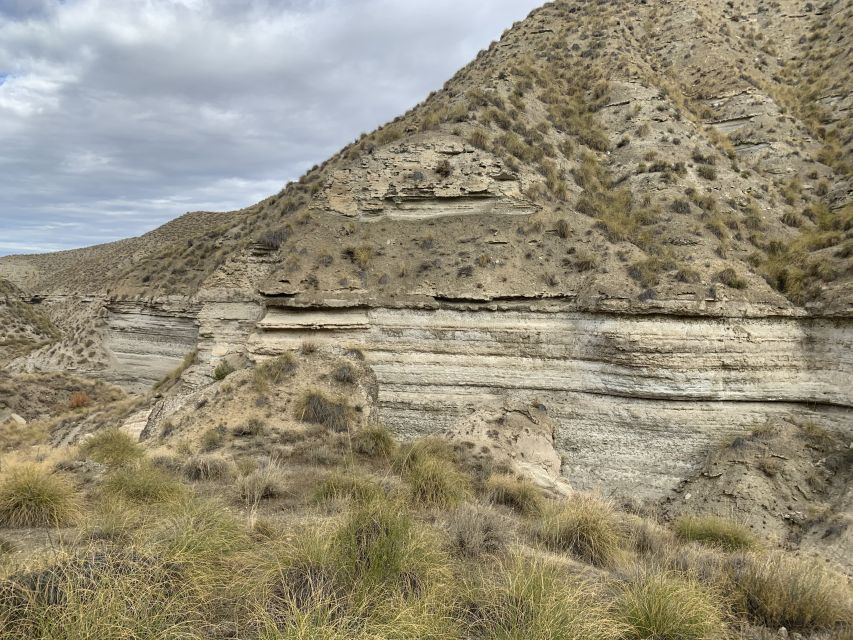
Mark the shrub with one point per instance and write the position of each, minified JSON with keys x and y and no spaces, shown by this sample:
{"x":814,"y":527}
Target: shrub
{"x":316,"y":408}
{"x":443,"y":168}
{"x":345,"y":374}
{"x":680,"y":205}
{"x":223,"y":370}
{"x":112,"y":447}
{"x":530,"y":599}
{"x":374,"y":442}
{"x":518,"y":494}
{"x":347,"y":486}
{"x":436,"y":483}
{"x":275,"y":371}
{"x":707,"y":172}
{"x":715,"y":531}
{"x":78,"y":400}
{"x":563,"y":229}
{"x":212,"y":438}
{"x":142,"y":483}
{"x":252,"y":427}
{"x":360,"y":256}
{"x":474,"y":531}
{"x":206,"y":467}
{"x":730,"y":278}
{"x":660,"y":606}
{"x":31,"y":496}
{"x":781,"y":591}
{"x":273,"y":239}
{"x":583,"y":526}
{"x":688,"y":275}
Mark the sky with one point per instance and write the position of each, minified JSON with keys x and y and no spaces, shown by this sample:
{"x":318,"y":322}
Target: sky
{"x":119,"y":115}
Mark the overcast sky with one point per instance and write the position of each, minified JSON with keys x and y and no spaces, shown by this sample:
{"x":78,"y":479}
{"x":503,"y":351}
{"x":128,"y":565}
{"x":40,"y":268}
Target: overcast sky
{"x":118,"y":115}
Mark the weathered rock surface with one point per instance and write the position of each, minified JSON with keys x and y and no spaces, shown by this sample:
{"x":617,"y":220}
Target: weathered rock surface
{"x":637,"y":399}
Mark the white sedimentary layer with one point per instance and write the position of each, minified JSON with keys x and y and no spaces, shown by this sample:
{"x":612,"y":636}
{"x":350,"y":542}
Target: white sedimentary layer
{"x":147,"y":342}
{"x":637,"y":399}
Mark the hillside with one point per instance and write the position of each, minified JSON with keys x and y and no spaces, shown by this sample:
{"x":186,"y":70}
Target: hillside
{"x":615,"y":172}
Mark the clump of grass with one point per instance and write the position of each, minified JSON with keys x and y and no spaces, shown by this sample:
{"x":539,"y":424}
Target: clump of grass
{"x":316,"y":408}
{"x":253,"y":427}
{"x":434,"y":482}
{"x":31,"y":496}
{"x":375,"y":442}
{"x":415,"y":452}
{"x":347,"y":486}
{"x":345,"y":374}
{"x":647,"y":537}
{"x":208,"y":467}
{"x":519,"y":494}
{"x":475,"y":531}
{"x":263,"y":483}
{"x":212,"y":439}
{"x":730,"y":278}
{"x":103,"y":594}
{"x":379,"y":545}
{"x":583,"y":526}
{"x":657,"y":605}
{"x":524,"y":598}
{"x":781,"y":591}
{"x":223,"y":370}
{"x":112,"y":447}
{"x":142,"y":483}
{"x":275,"y":371}
{"x":715,"y":531}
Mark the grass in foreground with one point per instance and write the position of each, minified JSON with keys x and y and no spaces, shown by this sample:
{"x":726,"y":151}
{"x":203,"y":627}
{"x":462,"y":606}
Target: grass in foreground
{"x":32,"y":496}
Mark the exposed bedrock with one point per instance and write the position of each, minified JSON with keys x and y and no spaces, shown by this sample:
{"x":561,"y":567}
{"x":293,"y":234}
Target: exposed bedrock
{"x":146,"y":342}
{"x":637,"y":399}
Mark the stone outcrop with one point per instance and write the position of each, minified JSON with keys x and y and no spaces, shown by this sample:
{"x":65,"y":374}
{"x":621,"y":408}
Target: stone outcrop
{"x":637,"y":400}
{"x":425,"y":179}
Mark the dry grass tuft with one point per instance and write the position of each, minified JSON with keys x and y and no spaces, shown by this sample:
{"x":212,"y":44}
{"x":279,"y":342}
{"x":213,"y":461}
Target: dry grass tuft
{"x":112,"y":447}
{"x":715,"y":531}
{"x":32,"y":496}
{"x":518,"y":494}
{"x":658,"y":605}
{"x":316,"y":407}
{"x":583,"y":526}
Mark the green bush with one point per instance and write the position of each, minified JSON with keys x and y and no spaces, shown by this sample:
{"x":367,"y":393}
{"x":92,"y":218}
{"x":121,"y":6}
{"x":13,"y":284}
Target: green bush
{"x":31,"y":496}
{"x":223,"y":370}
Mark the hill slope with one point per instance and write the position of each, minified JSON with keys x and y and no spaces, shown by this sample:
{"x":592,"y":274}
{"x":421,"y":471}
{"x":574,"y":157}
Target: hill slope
{"x":652,"y":151}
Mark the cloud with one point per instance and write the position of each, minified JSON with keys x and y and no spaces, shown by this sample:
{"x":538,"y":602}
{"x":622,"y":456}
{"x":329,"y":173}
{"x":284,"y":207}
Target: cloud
{"x":118,"y":115}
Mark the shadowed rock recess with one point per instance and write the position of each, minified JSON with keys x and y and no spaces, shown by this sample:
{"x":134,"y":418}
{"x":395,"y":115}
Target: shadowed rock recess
{"x":633,"y":217}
